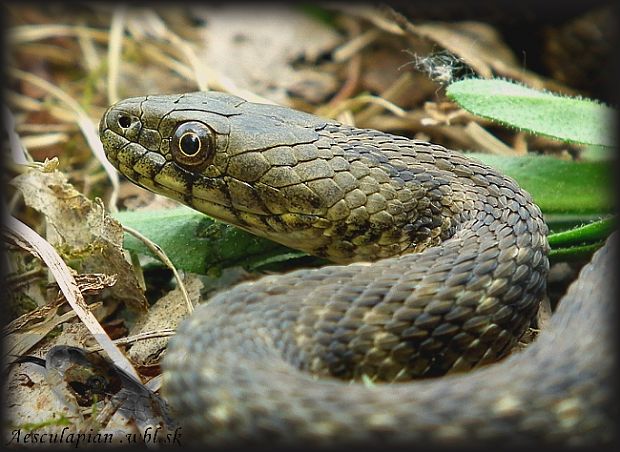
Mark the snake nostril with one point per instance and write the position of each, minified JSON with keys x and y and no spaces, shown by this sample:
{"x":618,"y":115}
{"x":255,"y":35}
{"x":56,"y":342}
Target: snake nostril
{"x":124,"y":121}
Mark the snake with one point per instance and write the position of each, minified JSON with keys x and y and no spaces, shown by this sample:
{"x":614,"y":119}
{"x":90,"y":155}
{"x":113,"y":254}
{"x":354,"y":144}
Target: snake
{"x":438,"y":267}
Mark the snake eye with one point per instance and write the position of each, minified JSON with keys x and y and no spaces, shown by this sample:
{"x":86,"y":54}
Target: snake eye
{"x":124,"y":121}
{"x":193,"y":143}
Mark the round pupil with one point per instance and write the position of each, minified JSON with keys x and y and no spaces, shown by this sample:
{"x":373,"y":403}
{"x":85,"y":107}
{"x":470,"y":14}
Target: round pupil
{"x":190,"y":143}
{"x":124,"y":121}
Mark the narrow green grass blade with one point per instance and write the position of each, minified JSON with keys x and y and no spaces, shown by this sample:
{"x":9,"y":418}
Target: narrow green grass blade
{"x":589,"y":233}
{"x":574,"y":253}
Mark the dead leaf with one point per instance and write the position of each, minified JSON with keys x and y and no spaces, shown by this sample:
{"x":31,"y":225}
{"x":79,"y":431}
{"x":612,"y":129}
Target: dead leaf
{"x":82,"y":230}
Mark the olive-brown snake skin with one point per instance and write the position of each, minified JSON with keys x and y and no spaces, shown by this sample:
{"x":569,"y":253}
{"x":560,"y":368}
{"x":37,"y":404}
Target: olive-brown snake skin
{"x":459,"y":267}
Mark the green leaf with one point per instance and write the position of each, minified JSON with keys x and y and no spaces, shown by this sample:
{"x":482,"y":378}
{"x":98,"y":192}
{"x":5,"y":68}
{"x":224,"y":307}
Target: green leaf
{"x":199,"y":244}
{"x":594,"y":153}
{"x":561,"y":188}
{"x":566,"y":118}
{"x":569,"y":193}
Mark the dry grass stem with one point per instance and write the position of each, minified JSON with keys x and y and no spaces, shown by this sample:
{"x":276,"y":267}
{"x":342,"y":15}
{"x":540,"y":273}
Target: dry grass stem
{"x":485,"y":141}
{"x":355,"y":45}
{"x":391,"y":94}
{"x":156,"y":249}
{"x":28,"y":239}
{"x":31,"y":33}
{"x":88,"y":128}
{"x":115,"y":47}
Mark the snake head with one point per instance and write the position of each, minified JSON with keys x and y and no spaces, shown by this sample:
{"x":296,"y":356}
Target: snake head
{"x":225,"y":157}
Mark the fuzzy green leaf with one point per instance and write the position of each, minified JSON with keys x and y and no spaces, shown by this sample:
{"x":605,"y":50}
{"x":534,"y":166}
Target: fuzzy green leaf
{"x":566,"y":118}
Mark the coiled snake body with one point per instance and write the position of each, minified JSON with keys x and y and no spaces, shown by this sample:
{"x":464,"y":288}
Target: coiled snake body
{"x":459,"y":267}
